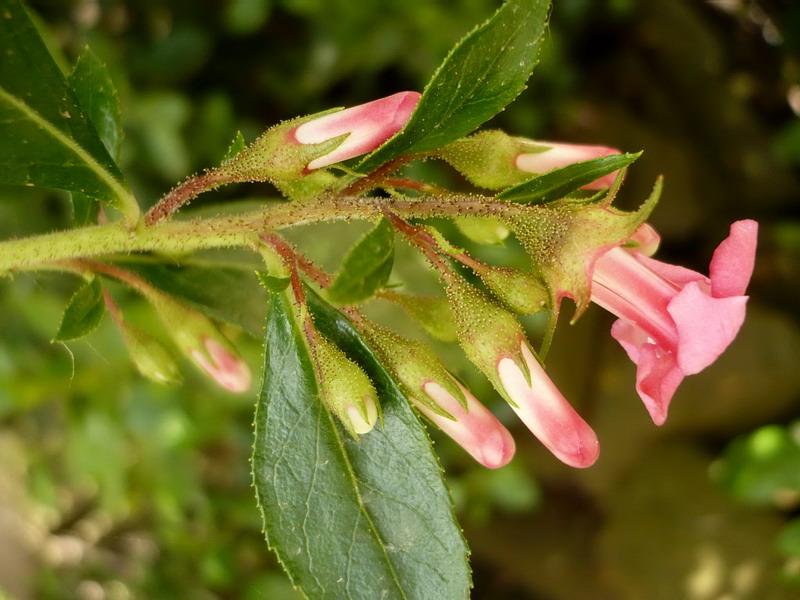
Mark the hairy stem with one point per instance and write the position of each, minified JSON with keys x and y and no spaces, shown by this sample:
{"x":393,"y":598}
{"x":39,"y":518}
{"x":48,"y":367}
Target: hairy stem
{"x":180,"y":237}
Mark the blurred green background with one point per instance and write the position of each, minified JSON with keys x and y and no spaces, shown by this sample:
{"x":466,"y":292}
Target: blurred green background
{"x":115,"y":488}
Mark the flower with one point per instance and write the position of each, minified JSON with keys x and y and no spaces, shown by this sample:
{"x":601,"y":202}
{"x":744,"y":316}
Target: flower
{"x":547,"y":156}
{"x":475,"y":428}
{"x":548,"y":415}
{"x":227,"y":369}
{"x":367,"y":126}
{"x":673,"y":321}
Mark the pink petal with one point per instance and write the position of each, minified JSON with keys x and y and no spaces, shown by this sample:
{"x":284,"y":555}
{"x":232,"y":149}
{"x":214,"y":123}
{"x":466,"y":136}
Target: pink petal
{"x":560,"y":155}
{"x":646,"y":239}
{"x":657,"y":377}
{"x":368,"y":125}
{"x":225,"y":368}
{"x":706,"y":325}
{"x":657,"y":373}
{"x":732,"y":264}
{"x":547,"y":413}
{"x":476,"y":430}
{"x":673,"y":273}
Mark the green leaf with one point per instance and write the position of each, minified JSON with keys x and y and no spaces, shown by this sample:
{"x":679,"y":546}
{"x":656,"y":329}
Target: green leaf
{"x":367,"y":266}
{"x":92,"y":85}
{"x":349,"y":519}
{"x":482,"y":74}
{"x":46,"y":138}
{"x":237,"y":145}
{"x":83,"y":313}
{"x":557,"y":184}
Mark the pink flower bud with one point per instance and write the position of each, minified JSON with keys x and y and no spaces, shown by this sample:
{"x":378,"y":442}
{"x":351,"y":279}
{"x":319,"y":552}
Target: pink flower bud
{"x":227,"y":369}
{"x":547,"y":413}
{"x":553,"y":155}
{"x":476,"y":429}
{"x":367,"y":126}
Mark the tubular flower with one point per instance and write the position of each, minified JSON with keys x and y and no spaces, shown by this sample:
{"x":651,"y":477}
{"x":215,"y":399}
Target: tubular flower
{"x":546,"y":156}
{"x":475,"y":429}
{"x":366,"y":126}
{"x":548,"y":415}
{"x":673,"y":321}
{"x":227,"y":369}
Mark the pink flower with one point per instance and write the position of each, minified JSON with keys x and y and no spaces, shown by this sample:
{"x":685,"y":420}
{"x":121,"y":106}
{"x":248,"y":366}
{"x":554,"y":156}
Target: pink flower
{"x":546,"y":412}
{"x":554,"y":155}
{"x":227,"y":369}
{"x":673,"y":321}
{"x":476,"y":429}
{"x":367,"y":126}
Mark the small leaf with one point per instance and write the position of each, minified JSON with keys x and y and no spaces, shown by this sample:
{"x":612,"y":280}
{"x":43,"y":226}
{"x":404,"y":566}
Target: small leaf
{"x":273,"y":284}
{"x":366,"y":519}
{"x":83,"y":313}
{"x":46,"y":138}
{"x":237,"y":145}
{"x":366,"y":268}
{"x":557,"y":184}
{"x":482,"y":74}
{"x":92,"y":84}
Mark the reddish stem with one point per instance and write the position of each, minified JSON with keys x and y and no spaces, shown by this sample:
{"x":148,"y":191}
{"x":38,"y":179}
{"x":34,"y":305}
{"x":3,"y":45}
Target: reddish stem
{"x":183,"y":193}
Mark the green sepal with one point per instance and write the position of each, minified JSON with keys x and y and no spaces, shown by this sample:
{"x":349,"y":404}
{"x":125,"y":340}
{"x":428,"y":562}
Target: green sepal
{"x":521,"y":291}
{"x":237,"y":145}
{"x":149,"y":355}
{"x":366,"y":268}
{"x":486,"y":159}
{"x":276,"y":156}
{"x":486,"y":331}
{"x":273,"y":284}
{"x":83,"y":313}
{"x":564,"y":238}
{"x":413,"y":364}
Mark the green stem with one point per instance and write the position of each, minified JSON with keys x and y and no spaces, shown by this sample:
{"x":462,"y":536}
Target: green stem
{"x":181,"y":237}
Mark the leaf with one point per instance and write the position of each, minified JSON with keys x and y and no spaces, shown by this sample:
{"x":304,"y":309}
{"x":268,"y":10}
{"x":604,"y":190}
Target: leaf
{"x":94,"y":89}
{"x":83,"y":313}
{"x":367,"y":519}
{"x":557,"y":184}
{"x":273,"y":284}
{"x":237,"y":145}
{"x":46,"y":138}
{"x":367,"y":266}
{"x":482,"y":74}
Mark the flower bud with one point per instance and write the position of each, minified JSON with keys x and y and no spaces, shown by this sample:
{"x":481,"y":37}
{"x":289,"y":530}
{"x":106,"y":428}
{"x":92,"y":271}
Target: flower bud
{"x":547,"y":414}
{"x":494,"y":341}
{"x":366,"y":126}
{"x":541,"y":157}
{"x":291,"y":150}
{"x":201,"y":340}
{"x":344,"y":387}
{"x":486,"y":159}
{"x":442,"y":399}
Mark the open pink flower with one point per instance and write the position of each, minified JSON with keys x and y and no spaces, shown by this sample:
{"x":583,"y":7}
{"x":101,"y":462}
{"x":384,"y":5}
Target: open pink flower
{"x":554,"y":155}
{"x":367,"y":126}
{"x":674,"y":321}
{"x":546,"y":412}
{"x":476,"y":429}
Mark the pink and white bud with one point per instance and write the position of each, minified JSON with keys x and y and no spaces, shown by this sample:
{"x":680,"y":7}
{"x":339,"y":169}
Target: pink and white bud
{"x":227,"y":369}
{"x":546,"y":412}
{"x":475,"y":429}
{"x":553,"y":155}
{"x":367,"y":127}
